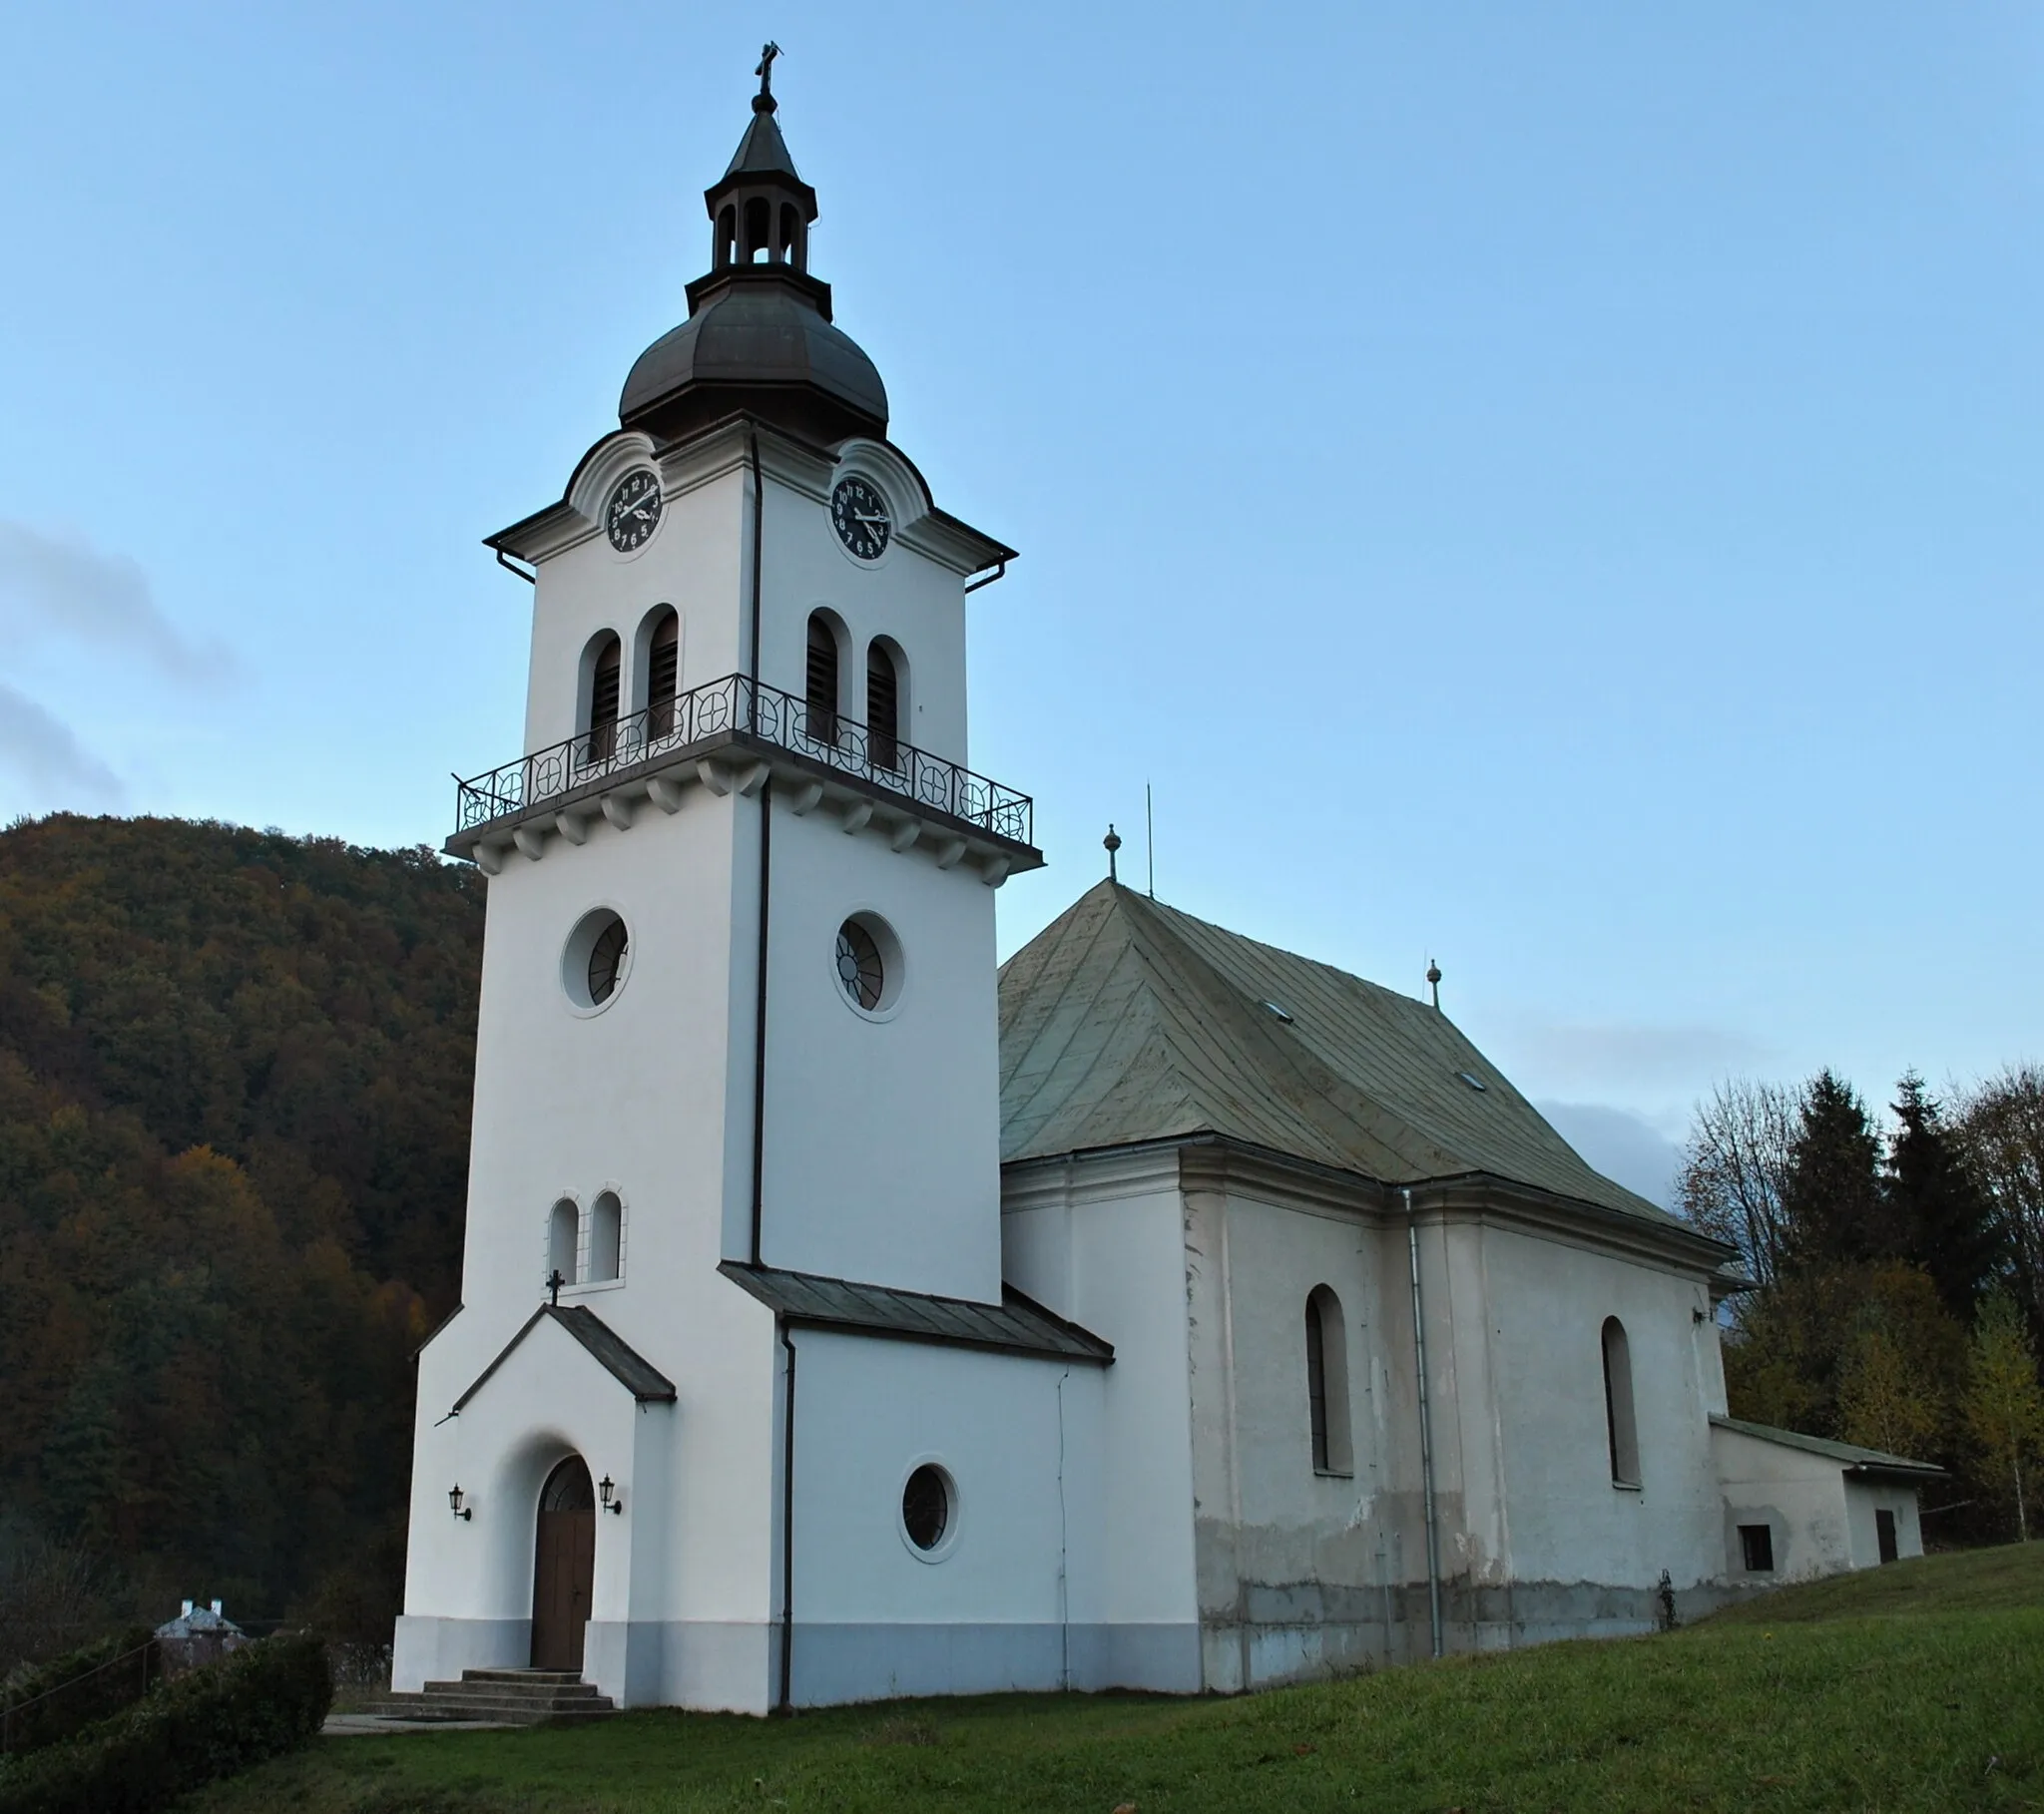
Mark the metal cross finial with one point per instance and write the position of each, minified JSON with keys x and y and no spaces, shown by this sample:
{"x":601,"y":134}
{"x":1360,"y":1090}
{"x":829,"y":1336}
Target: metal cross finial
{"x":554,"y":1283}
{"x":1112,"y":842}
{"x":768,"y":52}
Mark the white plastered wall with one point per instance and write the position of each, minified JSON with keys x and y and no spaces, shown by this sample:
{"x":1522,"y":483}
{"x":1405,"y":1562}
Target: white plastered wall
{"x":1569,"y":1523}
{"x":989,"y":1609}
{"x":1102,"y":1244}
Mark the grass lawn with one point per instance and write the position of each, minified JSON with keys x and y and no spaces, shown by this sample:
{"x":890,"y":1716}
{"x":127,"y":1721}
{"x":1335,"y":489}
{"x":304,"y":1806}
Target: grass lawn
{"x":1919,"y":1685}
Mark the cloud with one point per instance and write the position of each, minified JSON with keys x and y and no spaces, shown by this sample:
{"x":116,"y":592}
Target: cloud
{"x":1592,"y":1054}
{"x":51,"y":589}
{"x":1626,"y":1148}
{"x":50,"y":764}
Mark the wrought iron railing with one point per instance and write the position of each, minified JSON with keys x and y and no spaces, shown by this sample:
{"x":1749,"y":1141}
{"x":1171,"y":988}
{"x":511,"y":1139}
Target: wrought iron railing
{"x":736,"y":705}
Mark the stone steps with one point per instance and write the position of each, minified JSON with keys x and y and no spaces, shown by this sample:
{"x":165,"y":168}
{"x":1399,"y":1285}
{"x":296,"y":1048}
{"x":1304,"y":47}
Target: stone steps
{"x":512,"y":1697}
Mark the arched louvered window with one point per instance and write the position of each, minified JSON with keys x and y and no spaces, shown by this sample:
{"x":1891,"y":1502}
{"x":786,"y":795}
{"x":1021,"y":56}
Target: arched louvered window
{"x":606,"y":1237}
{"x":1326,"y":1383}
{"x":563,"y":1231}
{"x":823,"y":680}
{"x":1620,"y":1428}
{"x":662,"y":673}
{"x":883,"y":706}
{"x":601,"y":726}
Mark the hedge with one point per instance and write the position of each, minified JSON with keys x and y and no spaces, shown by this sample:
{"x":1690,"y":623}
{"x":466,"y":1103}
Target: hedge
{"x":42,"y":1705}
{"x":267,"y":1698}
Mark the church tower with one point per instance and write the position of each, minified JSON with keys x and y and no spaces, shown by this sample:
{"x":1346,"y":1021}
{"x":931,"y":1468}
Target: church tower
{"x":737,"y":1041}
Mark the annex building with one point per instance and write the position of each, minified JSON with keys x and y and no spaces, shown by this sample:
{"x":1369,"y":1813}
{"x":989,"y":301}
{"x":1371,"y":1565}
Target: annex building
{"x":846,"y":1316}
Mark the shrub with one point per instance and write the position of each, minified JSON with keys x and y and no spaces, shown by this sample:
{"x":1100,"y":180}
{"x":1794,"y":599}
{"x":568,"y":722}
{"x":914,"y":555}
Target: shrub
{"x":45,"y":1704}
{"x":267,"y":1698}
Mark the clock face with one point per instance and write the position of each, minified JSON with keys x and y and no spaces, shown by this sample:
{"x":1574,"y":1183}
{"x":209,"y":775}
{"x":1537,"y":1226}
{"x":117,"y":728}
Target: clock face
{"x":634,"y":510}
{"x":860,"y":516}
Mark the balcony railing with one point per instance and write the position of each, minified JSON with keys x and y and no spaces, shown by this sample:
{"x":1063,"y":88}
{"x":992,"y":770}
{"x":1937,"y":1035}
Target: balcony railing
{"x":739,"y":710}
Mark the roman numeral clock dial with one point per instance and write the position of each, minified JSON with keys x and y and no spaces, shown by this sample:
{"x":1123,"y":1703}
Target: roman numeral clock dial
{"x":859,"y":514}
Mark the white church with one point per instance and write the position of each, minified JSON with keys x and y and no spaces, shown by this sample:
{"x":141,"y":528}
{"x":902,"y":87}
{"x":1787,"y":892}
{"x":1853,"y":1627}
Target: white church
{"x":846,"y":1316}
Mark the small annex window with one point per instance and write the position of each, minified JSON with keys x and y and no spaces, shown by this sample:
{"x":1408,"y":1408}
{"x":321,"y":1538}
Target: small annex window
{"x":663,"y":672}
{"x":1620,"y":1430}
{"x":1326,"y":1384}
{"x":606,"y":1238}
{"x":605,"y":660}
{"x":929,"y":1510}
{"x":883,"y":706}
{"x":564,"y":1230}
{"x":1756,"y":1549}
{"x":823,"y":680}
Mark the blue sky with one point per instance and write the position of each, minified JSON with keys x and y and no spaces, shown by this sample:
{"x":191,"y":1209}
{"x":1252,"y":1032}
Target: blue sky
{"x":1555,"y":488}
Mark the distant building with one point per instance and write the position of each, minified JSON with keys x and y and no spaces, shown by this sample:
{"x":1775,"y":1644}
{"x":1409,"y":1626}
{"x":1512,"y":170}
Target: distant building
{"x":839,"y":1322}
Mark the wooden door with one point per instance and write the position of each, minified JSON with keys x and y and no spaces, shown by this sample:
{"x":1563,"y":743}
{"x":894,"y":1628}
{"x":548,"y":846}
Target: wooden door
{"x":564,"y":1568}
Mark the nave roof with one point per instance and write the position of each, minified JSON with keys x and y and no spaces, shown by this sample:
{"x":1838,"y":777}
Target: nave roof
{"x":1126,"y":1022}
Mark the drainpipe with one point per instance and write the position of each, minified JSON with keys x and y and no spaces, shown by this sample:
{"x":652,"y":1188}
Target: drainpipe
{"x":1433,"y":1541}
{"x":787,"y":1701}
{"x":766,"y":881}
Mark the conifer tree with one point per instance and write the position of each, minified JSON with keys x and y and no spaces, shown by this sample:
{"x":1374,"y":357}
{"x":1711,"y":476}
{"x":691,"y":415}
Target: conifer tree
{"x":1938,"y":1219}
{"x":1831,"y":1202}
{"x":2004,"y":1407}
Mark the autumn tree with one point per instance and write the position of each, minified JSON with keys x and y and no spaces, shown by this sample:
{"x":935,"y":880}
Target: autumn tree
{"x":2000,"y":1127}
{"x":2004,"y":1407}
{"x":1735,"y":1170}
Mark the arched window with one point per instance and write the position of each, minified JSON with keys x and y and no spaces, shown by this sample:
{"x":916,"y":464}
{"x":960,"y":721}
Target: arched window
{"x":1619,"y":1425}
{"x":824,"y":681}
{"x":759,"y":229}
{"x":883,"y":706}
{"x":792,"y":234}
{"x":726,"y":236}
{"x":600,"y":727}
{"x":606,"y":1237}
{"x":1326,"y":1383}
{"x":663,"y":672}
{"x":563,"y":1233}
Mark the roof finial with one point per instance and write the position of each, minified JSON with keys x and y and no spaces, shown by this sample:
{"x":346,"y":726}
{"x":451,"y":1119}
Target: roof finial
{"x":1112,"y":842}
{"x":1433,"y":978}
{"x":764,"y":101}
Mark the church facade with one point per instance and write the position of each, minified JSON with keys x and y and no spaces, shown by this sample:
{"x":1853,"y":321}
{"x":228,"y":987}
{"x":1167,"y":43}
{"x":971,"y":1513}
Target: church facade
{"x":844,"y":1316}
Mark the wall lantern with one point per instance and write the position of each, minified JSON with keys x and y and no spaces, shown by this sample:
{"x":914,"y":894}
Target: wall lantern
{"x":613,"y":1499}
{"x":454,"y":1503}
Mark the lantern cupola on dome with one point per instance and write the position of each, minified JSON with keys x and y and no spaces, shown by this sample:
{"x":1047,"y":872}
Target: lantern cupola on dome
{"x":759,"y":335}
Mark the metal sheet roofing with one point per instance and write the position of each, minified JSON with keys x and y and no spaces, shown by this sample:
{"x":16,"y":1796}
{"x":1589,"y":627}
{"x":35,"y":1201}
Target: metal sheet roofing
{"x":624,"y":1363}
{"x":1016,"y":1325}
{"x":1869,"y":1461}
{"x":1125,"y":1020}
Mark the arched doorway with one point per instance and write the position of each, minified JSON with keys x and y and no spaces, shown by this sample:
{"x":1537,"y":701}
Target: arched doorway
{"x":564,"y":1567}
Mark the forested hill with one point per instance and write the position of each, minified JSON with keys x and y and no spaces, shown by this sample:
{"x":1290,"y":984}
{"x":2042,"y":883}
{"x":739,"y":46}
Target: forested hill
{"x":235,"y":1073}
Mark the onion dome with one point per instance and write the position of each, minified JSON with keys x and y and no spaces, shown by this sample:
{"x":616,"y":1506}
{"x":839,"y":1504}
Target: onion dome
{"x":759,"y":335}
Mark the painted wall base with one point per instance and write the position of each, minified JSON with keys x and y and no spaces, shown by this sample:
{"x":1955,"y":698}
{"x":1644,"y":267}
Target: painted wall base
{"x":1322,"y":1630}
{"x":438,"y":1650}
{"x":840,"y":1663}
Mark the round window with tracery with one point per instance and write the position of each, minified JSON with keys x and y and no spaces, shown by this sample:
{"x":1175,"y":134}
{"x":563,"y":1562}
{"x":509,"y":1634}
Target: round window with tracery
{"x":860,"y":965}
{"x":926,"y":1506}
{"x":596,"y":960}
{"x":607,"y":961}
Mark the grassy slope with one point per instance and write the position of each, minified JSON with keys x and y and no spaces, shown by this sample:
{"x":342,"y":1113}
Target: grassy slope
{"x":1915,"y":1687}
